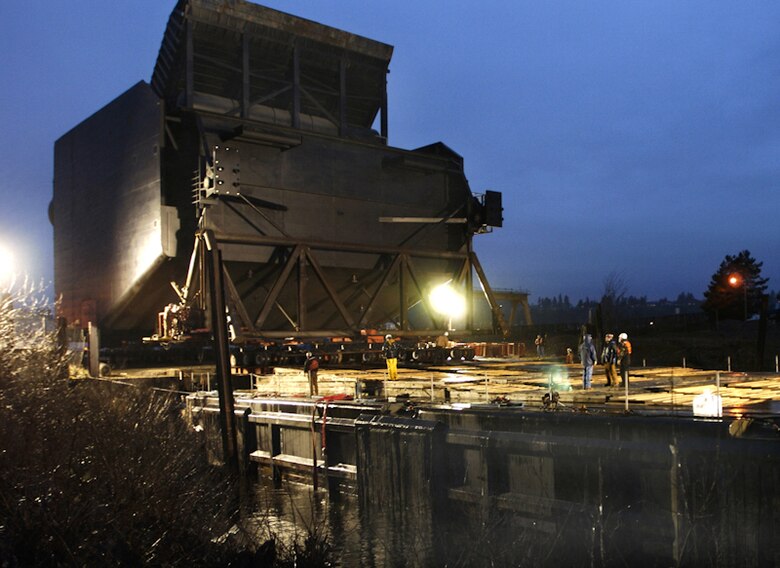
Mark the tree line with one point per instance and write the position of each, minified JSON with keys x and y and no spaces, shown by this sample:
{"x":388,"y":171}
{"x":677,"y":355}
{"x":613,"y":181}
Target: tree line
{"x":562,"y":302}
{"x":736,"y":290}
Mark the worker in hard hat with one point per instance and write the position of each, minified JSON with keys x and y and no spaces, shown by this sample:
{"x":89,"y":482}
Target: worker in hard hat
{"x":391,"y":349}
{"x":311,"y":366}
{"x":624,"y":358}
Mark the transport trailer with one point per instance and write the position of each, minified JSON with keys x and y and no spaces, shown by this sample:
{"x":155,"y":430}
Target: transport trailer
{"x":261,"y":356}
{"x":257,"y":160}
{"x":196,"y":347}
{"x":346,"y":354}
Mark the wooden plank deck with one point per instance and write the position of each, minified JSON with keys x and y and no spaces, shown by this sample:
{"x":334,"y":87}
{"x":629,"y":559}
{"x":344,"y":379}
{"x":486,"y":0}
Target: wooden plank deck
{"x":526,"y":381}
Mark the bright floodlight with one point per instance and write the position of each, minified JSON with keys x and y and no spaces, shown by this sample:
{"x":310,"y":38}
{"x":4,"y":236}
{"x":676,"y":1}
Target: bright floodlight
{"x":734,"y":280}
{"x":447,"y":301}
{"x":7,"y":269}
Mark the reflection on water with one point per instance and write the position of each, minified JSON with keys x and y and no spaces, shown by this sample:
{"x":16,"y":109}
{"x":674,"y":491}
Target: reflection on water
{"x":359,"y":540}
{"x":362,"y":539}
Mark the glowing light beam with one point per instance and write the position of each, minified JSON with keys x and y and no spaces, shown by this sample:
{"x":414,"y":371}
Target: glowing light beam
{"x":447,"y":301}
{"x":7,"y":268}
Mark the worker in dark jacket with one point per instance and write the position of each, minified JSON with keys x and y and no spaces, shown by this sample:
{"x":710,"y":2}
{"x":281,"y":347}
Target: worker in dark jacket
{"x":311,"y":366}
{"x":391,"y":349}
{"x":589,"y":358}
{"x":609,"y":359}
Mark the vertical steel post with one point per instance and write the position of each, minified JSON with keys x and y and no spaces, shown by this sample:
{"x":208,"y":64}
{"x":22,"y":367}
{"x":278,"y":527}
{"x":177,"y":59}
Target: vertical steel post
{"x":296,"y":88}
{"x":189,"y":77}
{"x":403,"y":291}
{"x":383,"y":117}
{"x":93,"y":336}
{"x":469,"y":286}
{"x":343,"y":97}
{"x":302,"y":279}
{"x":227,"y":416}
{"x":245,"y":78}
{"x":201,"y":298}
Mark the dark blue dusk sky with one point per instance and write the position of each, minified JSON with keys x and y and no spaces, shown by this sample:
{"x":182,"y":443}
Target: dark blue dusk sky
{"x":641,"y":138}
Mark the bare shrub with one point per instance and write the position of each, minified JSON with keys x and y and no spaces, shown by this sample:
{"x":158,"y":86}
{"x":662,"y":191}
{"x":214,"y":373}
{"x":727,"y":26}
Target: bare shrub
{"x":98,"y":474}
{"x":92,"y":473}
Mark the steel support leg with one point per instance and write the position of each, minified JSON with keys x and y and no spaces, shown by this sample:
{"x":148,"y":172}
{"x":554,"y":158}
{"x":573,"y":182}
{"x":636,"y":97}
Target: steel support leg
{"x":227,"y":416}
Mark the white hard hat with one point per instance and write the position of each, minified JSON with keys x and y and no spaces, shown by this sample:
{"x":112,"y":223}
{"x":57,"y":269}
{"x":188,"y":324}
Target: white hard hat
{"x":623,"y":336}
{"x":388,"y":336}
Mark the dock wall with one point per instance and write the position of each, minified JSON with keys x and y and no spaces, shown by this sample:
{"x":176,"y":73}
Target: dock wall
{"x":558,"y":486}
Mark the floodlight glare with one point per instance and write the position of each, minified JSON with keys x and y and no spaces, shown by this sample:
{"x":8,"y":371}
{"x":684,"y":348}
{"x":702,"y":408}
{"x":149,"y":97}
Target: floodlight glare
{"x":7,"y":271}
{"x":447,"y":301}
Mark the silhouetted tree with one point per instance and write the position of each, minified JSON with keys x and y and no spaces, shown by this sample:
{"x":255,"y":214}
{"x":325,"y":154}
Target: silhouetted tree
{"x":735,"y":288}
{"x":686,"y":298}
{"x":615,"y":288}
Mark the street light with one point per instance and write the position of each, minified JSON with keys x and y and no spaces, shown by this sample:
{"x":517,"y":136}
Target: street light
{"x":735,"y":280}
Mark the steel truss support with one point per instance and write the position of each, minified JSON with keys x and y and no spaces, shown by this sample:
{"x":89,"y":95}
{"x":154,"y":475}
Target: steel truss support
{"x":398,"y":265}
{"x":227,"y":415}
{"x":495,"y":308}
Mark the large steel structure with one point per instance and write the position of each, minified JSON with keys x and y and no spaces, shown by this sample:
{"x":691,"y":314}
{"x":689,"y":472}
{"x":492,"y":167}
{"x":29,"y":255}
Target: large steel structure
{"x":257,"y":139}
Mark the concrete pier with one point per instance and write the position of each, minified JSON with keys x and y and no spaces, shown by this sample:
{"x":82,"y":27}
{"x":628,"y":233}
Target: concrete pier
{"x":583,"y":482}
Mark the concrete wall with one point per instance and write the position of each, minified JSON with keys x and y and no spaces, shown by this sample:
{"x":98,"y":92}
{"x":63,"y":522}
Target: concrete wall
{"x":514,"y":487}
